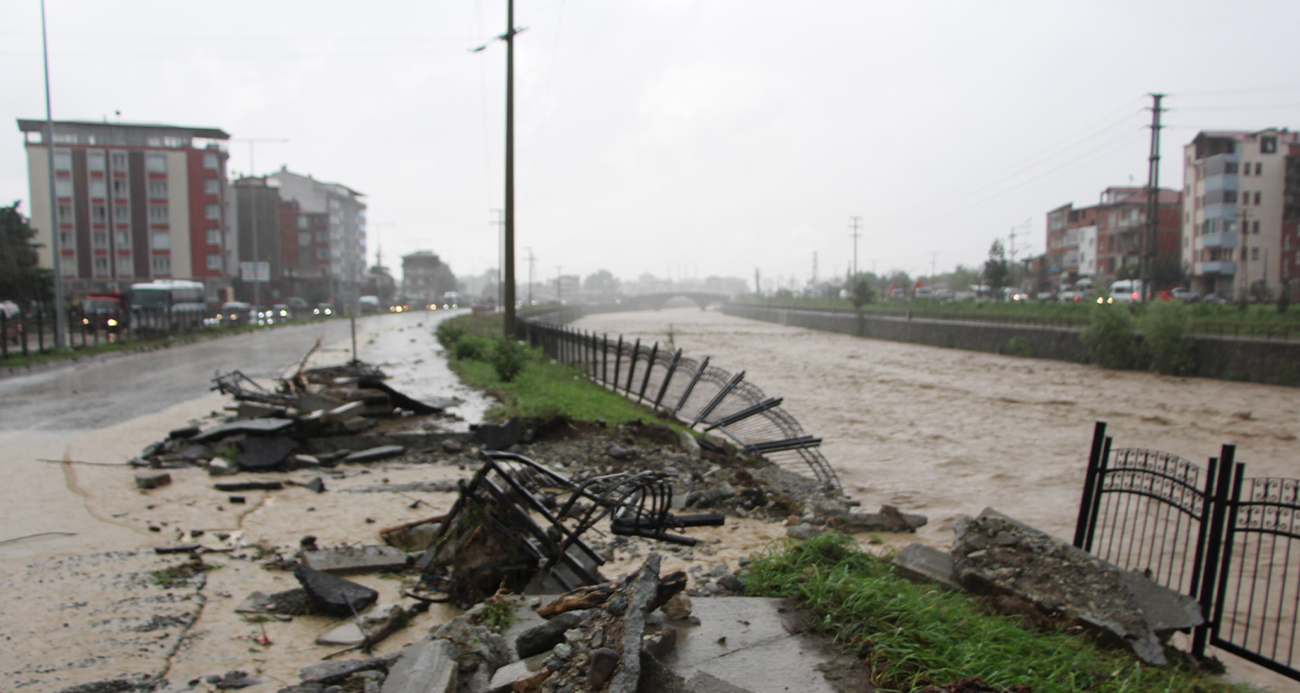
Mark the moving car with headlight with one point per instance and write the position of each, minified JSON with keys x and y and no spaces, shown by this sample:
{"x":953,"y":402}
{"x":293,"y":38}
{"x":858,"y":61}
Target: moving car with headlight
{"x":235,"y":313}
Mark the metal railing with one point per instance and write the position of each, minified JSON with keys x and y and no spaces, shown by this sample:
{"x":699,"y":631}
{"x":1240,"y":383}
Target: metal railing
{"x":694,"y":391}
{"x":1232,"y":543}
{"x":32,"y":332}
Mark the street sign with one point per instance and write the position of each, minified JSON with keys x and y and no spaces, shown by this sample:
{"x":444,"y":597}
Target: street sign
{"x":263,"y":271}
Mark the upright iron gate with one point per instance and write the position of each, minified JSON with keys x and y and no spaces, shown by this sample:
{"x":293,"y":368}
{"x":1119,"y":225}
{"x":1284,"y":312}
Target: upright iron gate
{"x":1232,"y":543}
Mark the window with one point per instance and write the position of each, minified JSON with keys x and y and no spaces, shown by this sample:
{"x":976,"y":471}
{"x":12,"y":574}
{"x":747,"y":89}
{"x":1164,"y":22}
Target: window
{"x":1230,"y":196}
{"x":118,"y":161}
{"x":1254,"y":253}
{"x":158,"y":189}
{"x":155,"y":163}
{"x":158,"y":214}
{"x":65,"y":214}
{"x":101,"y":266}
{"x":124,"y":266}
{"x":303,"y":221}
{"x":62,"y":160}
{"x":1257,"y":196}
{"x":211,"y":186}
{"x":322,"y":253}
{"x":65,"y":239}
{"x":161,"y":264}
{"x":209,"y":160}
{"x":121,"y":188}
{"x":121,"y":214}
{"x":212,"y":211}
{"x":214,"y":261}
{"x":304,"y":238}
{"x":63,"y":187}
{"x":161,"y":240}
{"x":1259,"y":168}
{"x":98,"y":187}
{"x":1229,"y":167}
{"x":123,"y":239}
{"x":1267,"y":145}
{"x":99,"y":240}
{"x":95,"y":161}
{"x":98,"y":214}
{"x":1245,"y":169}
{"x":322,"y":236}
{"x":1256,"y":226}
{"x":214,"y":237}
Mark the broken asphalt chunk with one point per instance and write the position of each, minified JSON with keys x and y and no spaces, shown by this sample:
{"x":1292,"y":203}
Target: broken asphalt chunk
{"x":230,"y":486}
{"x":316,"y":485}
{"x":265,"y":452}
{"x":428,"y":666}
{"x":500,"y":436}
{"x":152,"y":479}
{"x":333,"y":594}
{"x":254,"y":426}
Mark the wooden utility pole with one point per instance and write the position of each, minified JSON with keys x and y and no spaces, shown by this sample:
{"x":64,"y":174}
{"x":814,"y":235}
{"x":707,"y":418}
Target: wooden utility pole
{"x":855,"y":225}
{"x":1151,"y":249}
{"x":508,"y":291}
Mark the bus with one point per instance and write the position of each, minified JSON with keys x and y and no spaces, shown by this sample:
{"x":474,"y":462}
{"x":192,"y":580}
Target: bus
{"x":167,"y":303}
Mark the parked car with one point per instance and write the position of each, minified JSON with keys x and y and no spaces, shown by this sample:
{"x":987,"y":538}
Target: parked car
{"x":235,"y":313}
{"x":323,"y":310}
{"x":1126,"y":291}
{"x":942,"y":295}
{"x":922,"y":292}
{"x":1185,"y":295}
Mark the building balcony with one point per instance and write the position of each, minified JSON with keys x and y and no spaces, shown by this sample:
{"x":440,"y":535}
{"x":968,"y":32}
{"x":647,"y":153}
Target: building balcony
{"x":1219,"y":267}
{"x":1219,"y":240}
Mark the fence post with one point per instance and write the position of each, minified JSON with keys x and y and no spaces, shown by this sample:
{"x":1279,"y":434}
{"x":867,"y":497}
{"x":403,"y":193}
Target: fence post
{"x":4,"y":334}
{"x":1102,"y":466}
{"x":618,"y":360}
{"x":1089,"y":484}
{"x":604,"y":358}
{"x":22,"y":330}
{"x":1219,"y":508}
{"x":672,"y":368}
{"x":649,"y":365}
{"x":691,"y":385}
{"x":631,"y":365}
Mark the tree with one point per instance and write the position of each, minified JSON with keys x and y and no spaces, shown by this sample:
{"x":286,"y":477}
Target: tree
{"x":1168,"y":272}
{"x":602,"y":282}
{"x":862,"y":293}
{"x":21,"y":280}
{"x":996,"y":271}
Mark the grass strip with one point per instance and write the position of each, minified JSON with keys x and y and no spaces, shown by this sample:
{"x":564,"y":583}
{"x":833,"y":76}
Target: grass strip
{"x":915,"y":635}
{"x":543,"y":389}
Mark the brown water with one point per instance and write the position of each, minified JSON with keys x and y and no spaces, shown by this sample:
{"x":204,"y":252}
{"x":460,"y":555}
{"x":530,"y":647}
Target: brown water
{"x":946,"y":432}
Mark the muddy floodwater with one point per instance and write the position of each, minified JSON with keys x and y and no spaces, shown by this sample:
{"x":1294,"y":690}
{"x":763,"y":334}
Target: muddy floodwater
{"x":946,"y":432}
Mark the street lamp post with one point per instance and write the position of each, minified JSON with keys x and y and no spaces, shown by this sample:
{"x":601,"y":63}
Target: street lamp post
{"x":60,"y":313}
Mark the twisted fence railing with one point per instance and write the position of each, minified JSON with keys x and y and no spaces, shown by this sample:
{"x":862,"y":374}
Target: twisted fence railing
{"x":697,"y":393}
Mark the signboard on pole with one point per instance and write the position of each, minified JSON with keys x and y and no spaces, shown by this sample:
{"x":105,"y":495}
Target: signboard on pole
{"x":255,"y":271}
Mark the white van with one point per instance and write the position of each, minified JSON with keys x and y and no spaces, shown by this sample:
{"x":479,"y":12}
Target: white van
{"x":1126,"y":291}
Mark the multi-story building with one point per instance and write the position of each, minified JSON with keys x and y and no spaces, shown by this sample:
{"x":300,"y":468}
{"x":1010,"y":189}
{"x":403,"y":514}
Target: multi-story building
{"x":324,"y":233}
{"x":425,"y":277}
{"x":1236,"y":187}
{"x":133,"y":202}
{"x":1099,"y":241}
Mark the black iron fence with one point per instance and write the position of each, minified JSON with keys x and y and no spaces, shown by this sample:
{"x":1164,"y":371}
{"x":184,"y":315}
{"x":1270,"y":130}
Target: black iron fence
{"x":693,"y":391}
{"x":32,"y":332}
{"x":1232,"y":543}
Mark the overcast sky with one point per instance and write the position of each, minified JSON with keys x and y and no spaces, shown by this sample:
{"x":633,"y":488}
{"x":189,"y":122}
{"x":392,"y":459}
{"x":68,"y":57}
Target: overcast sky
{"x":675,"y":137}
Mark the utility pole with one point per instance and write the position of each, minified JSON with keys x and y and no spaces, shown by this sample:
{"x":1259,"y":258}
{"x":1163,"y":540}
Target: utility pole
{"x":60,"y":313}
{"x":856,"y":221}
{"x":814,"y":274}
{"x":531,"y":260}
{"x":508,"y":323}
{"x":934,"y":259}
{"x":758,"y":287}
{"x":499,"y":222}
{"x":1150,"y":246}
{"x":559,"y":297}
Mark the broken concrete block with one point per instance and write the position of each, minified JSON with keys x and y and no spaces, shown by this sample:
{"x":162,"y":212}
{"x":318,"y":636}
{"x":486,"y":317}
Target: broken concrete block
{"x":922,"y":562}
{"x":258,"y":410}
{"x":333,"y":594}
{"x":375,"y":454}
{"x":503,"y":680}
{"x":414,"y":537}
{"x":344,"y":412}
{"x":803,"y":531}
{"x":542,"y":638}
{"x":372,"y":627}
{"x":316,"y":485}
{"x":500,"y":436}
{"x":357,"y":424}
{"x":689,"y":444}
{"x":301,"y":461}
{"x":452,"y":445}
{"x":178,"y":548}
{"x":220,"y":466}
{"x":352,"y":559}
{"x":186,"y":432}
{"x":331,"y":673}
{"x":428,"y":666}
{"x":889,"y":519}
{"x":152,"y":479}
{"x":265,"y":452}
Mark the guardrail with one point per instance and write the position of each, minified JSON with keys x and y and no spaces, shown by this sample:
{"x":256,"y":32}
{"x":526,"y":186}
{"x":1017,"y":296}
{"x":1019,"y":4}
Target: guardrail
{"x":694,"y":391}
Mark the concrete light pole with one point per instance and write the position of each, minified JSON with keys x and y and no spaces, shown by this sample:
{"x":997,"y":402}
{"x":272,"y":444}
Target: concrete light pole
{"x":60,"y":314}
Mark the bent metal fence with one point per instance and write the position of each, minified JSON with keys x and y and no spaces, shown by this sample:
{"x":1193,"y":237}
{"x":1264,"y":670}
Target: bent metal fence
{"x":1232,"y":543}
{"x":695,"y":392}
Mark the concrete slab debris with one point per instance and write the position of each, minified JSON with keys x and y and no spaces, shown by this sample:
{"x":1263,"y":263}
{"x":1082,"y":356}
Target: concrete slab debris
{"x":252,"y":485}
{"x":332,"y":673}
{"x":220,"y":466}
{"x":371,"y":627}
{"x":344,"y":412}
{"x":500,"y":436}
{"x":250,"y":426}
{"x":316,"y":485}
{"x":375,"y":454}
{"x":355,"y":559}
{"x":428,"y":666}
{"x":922,"y":562}
{"x":152,"y":479}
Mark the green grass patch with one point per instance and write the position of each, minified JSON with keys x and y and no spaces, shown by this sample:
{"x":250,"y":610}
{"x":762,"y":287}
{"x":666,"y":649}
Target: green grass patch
{"x":495,"y":613}
{"x":539,"y":389}
{"x":916,"y":635}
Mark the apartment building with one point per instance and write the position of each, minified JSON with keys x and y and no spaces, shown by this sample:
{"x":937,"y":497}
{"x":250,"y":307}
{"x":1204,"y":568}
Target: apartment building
{"x":1100,"y":240}
{"x":324,"y":234}
{"x":1236,"y":218}
{"x":134,"y":202}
